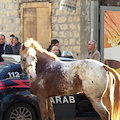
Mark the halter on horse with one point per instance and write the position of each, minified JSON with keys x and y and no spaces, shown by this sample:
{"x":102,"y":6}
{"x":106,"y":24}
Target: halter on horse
{"x":51,"y":77}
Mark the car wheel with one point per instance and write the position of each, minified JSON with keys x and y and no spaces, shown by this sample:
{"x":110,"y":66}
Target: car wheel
{"x":20,"y":111}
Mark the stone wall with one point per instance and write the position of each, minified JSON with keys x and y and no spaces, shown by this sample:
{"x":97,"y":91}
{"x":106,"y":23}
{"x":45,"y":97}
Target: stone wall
{"x":68,"y":27}
{"x":72,"y":29}
{"x":9,"y":17}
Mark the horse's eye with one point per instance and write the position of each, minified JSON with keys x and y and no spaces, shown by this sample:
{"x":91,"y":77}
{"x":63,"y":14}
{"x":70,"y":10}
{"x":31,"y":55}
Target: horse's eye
{"x":24,"y":59}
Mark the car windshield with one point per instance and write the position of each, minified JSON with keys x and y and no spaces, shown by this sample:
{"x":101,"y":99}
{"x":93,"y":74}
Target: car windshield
{"x":2,"y":66}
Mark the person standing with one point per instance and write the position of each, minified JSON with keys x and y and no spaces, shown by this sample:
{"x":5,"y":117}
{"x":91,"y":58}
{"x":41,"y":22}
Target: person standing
{"x":93,"y":53}
{"x":16,"y":46}
{"x":54,"y":42}
{"x":54,"y":49}
{"x":4,"y":47}
{"x":11,"y":39}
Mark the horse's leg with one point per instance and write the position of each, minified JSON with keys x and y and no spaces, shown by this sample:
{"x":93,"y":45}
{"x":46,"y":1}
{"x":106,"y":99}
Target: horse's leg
{"x":99,"y":107}
{"x":43,"y":107}
{"x":50,"y":110}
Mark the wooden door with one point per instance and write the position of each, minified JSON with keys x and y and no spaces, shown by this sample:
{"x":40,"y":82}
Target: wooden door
{"x":36,"y":22}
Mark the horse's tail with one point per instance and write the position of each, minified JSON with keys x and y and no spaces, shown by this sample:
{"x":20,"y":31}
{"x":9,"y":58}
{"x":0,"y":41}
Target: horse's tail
{"x":115,"y":105}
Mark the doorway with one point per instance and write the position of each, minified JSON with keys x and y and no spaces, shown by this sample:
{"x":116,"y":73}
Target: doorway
{"x":36,"y":22}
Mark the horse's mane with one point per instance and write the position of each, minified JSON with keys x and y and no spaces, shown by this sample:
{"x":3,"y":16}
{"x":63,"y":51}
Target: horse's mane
{"x":35,"y":45}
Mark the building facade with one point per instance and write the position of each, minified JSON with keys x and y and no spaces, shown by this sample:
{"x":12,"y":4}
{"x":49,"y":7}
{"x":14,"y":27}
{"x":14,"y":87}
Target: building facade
{"x":72,"y":29}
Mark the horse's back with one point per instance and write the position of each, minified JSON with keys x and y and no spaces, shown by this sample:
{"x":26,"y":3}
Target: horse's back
{"x":93,"y":77}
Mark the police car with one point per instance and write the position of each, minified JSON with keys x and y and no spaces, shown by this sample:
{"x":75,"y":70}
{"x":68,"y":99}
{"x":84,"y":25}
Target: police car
{"x":18,"y":103}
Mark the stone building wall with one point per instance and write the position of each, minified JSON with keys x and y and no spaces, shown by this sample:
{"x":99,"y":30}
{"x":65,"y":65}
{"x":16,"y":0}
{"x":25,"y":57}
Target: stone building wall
{"x":69,"y":28}
{"x":66,"y":28}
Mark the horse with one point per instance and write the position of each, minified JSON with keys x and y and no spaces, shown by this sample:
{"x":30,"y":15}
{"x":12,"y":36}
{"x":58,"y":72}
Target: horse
{"x":51,"y":77}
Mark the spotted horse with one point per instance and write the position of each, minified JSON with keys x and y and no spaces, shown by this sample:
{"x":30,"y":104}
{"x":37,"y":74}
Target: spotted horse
{"x":51,"y":77}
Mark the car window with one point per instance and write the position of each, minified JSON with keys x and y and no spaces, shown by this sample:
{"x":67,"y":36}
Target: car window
{"x":10,"y":70}
{"x":14,"y":72}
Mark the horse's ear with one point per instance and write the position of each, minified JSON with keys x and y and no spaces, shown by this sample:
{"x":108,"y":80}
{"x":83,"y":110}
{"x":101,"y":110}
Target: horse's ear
{"x":22,"y":47}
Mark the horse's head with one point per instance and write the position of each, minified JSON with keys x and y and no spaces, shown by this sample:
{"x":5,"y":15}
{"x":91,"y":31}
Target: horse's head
{"x":28,"y":58}
{"x":31,"y":53}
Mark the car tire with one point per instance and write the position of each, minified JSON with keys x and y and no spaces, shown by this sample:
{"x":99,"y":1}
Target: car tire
{"x":20,"y":111}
